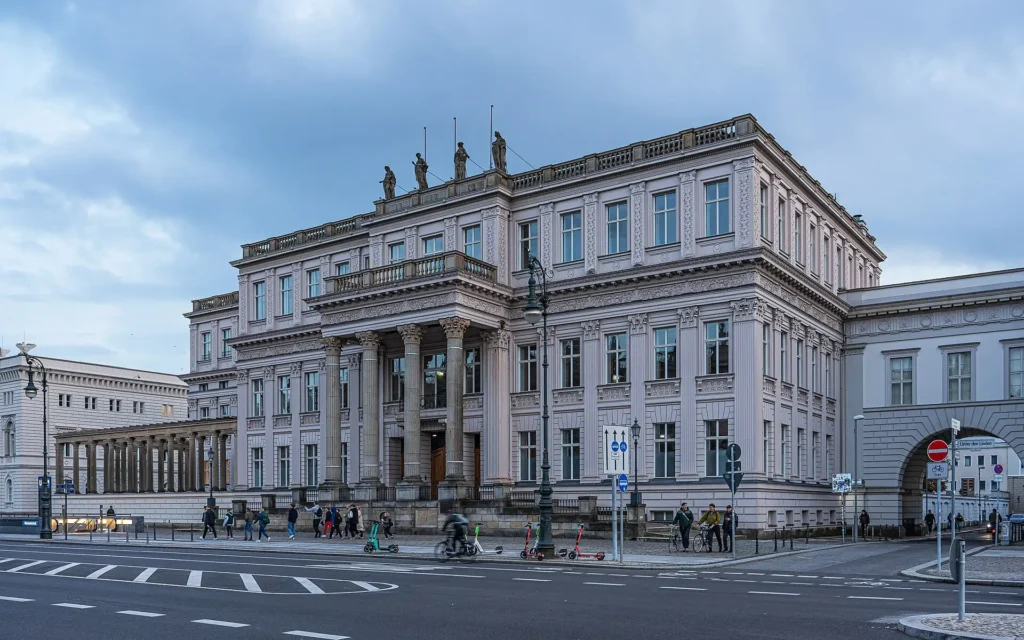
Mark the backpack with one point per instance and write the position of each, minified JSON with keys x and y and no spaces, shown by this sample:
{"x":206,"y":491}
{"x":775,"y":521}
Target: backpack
{"x":264,"y":518}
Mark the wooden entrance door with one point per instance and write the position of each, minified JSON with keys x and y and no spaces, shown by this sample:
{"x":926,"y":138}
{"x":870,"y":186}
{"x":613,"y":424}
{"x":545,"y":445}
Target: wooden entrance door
{"x":437,"y":464}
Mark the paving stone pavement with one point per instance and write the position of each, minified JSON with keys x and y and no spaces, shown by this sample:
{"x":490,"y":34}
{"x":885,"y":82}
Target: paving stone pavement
{"x":994,"y":564}
{"x":993,"y":626}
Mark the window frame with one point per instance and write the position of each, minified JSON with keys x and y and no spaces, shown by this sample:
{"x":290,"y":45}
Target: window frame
{"x":572,"y":236}
{"x":812,"y":248}
{"x":721,"y":443}
{"x":798,"y":253}
{"x":259,"y":294}
{"x":287,"y":295}
{"x":526,"y":368}
{"x":717,"y":201}
{"x":284,"y":395}
{"x":570,"y":369}
{"x":1011,"y":348}
{"x":258,"y":468}
{"x":207,"y":346}
{"x":571,"y":453}
{"x":437,"y":240}
{"x":225,"y":348}
{"x":473,"y":371}
{"x":970,"y":377}
{"x":665,"y":435}
{"x":529,"y":244}
{"x":313,"y":282}
{"x":342,"y":268}
{"x":529,"y":448}
{"x":343,"y":376}
{"x":780,"y":217}
{"x":312,"y":463}
{"x":800,"y":373}
{"x":620,"y":225}
{"x":718,"y":341}
{"x":284,"y":465}
{"x":396,"y":378}
{"x":396,"y":250}
{"x":468,"y":242}
{"x":887,"y":378}
{"x":312,"y":395}
{"x":783,"y":357}
{"x":765,"y":194}
{"x":620,"y":363}
{"x":766,"y":350}
{"x":666,"y":353}
{"x":665,"y":219}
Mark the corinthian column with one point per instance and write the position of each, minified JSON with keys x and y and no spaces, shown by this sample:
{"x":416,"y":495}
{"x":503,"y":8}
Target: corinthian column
{"x":412,"y":335}
{"x":369,"y":473}
{"x":455,"y":330}
{"x":497,"y":437}
{"x":332,"y":420}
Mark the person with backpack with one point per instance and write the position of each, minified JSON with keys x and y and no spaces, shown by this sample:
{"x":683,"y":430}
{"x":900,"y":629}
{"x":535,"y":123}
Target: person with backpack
{"x":318,"y":514}
{"x":388,"y":524}
{"x":229,"y":523}
{"x":250,"y":517}
{"x":293,"y":519}
{"x":684,"y":520}
{"x":264,"y":519}
{"x":929,"y":521}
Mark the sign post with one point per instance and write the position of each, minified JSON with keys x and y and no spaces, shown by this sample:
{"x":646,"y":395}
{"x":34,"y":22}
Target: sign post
{"x":954,"y":426}
{"x":623,"y":484}
{"x":938,"y":471}
{"x":842,"y":483}
{"x":616,"y":464}
{"x":733,"y":476}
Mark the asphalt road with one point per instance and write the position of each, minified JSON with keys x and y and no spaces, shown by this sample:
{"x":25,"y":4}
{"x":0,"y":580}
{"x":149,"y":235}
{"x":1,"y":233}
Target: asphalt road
{"x":57,"y":590}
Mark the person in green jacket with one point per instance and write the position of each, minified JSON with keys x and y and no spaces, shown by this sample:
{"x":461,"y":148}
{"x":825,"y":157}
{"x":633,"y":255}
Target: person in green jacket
{"x":684,"y":519}
{"x":714,"y":521}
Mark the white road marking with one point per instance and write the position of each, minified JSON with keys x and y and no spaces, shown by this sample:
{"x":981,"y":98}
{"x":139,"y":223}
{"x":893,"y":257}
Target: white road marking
{"x":53,"y":572}
{"x":368,"y":586}
{"x":924,"y":589}
{"x":995,"y":604}
{"x":532,"y":579}
{"x":606,"y":584}
{"x":13,"y":599}
{"x":782,"y":575}
{"x":684,"y":588}
{"x":815,"y":577}
{"x":772,"y":582}
{"x":593,"y":574}
{"x":145,"y":575}
{"x":250,"y":583}
{"x":803,"y":584}
{"x":71,"y":605}
{"x":315,"y":635}
{"x":141,"y":614}
{"x":750,"y":581}
{"x":709,"y":572}
{"x":221,"y":623}
{"x":900,"y":588}
{"x":1002,"y":593}
{"x":3,"y":560}
{"x":751,"y":573}
{"x":870,"y":598}
{"x":890,"y":580}
{"x":834,"y":578}
{"x":308,"y":584}
{"x":734,"y":573}
{"x":195,"y":578}
{"x":25,"y":566}
{"x":772,"y":593}
{"x":619,"y":575}
{"x":99,"y":572}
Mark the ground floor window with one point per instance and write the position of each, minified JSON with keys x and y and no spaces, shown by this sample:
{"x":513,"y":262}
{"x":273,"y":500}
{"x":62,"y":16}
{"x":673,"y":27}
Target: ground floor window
{"x":257,"y":468}
{"x":527,"y":456}
{"x":312,"y":465}
{"x":716,"y":440}
{"x":570,"y":454}
{"x":344,"y":462}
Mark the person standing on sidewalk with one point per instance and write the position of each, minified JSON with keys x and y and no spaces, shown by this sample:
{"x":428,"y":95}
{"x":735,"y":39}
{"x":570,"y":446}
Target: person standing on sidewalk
{"x":959,"y":521}
{"x":353,"y":520}
{"x":209,"y":522}
{"x":684,"y":520}
{"x":229,"y":523}
{"x":293,"y":519}
{"x":264,"y":520}
{"x":249,"y":518}
{"x":729,"y":520}
{"x":929,"y":521}
{"x":865,"y":520}
{"x":318,"y":513}
{"x":713,"y":519}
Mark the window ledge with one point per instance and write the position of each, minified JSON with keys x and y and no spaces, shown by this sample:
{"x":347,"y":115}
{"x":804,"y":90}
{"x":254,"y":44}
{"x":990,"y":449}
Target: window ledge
{"x":663,"y":248}
{"x":569,"y":264}
{"x":722,"y":237}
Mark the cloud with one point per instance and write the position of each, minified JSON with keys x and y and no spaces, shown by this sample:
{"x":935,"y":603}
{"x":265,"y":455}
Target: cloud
{"x":908,"y":263}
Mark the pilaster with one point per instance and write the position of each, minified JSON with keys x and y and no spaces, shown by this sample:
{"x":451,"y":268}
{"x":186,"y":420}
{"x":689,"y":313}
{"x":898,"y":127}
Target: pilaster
{"x":412,"y":335}
{"x":239,"y":459}
{"x":745,"y":353}
{"x":744,"y":202}
{"x":639,"y":371}
{"x":591,"y":440}
{"x":546,"y":235}
{"x":690,"y":354}
{"x":590,"y":232}
{"x":369,"y":475}
{"x":497,"y":436}
{"x":637,"y":221}
{"x":687,"y":184}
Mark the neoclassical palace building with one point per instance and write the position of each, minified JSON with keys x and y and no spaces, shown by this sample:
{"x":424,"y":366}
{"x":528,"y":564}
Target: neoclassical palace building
{"x":693,"y":286}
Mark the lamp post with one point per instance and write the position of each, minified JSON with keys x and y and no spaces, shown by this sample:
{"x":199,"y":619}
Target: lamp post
{"x":856,"y":475}
{"x":45,"y":486}
{"x":211,"y":501}
{"x":635,"y":429}
{"x":536,"y":310}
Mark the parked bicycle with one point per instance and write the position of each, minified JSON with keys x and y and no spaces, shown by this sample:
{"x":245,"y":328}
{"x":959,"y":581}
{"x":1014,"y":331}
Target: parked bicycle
{"x":699,"y":542}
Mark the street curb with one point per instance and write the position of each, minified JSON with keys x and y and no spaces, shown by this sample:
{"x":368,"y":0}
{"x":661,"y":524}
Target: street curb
{"x":917,"y":627}
{"x":914,"y":572}
{"x":510,"y":560}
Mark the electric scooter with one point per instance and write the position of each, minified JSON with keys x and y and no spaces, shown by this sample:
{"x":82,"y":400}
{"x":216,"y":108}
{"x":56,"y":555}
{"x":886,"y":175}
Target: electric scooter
{"x":476,"y":547}
{"x":575,"y":552}
{"x":372,"y":544}
{"x":528,"y":552}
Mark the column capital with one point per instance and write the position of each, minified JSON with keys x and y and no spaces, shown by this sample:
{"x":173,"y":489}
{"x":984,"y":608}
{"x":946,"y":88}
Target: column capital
{"x":332,"y":346}
{"x":411,"y":333}
{"x":499,"y":338}
{"x":242,"y":375}
{"x":591,"y":329}
{"x":369,"y":339}
{"x":638,"y":324}
{"x":454,"y":327}
{"x":688,"y":316}
{"x":748,"y":309}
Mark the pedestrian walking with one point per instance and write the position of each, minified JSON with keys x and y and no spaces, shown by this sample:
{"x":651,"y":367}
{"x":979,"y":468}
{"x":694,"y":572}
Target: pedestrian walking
{"x":959,"y":521}
{"x":293,"y":519}
{"x":264,"y":519}
{"x":388,"y":524}
{"x":993,"y":522}
{"x":949,"y":520}
{"x":353,"y":520}
{"x":318,"y":514}
{"x":865,"y":520}
{"x":250,"y":517}
{"x":929,"y":521}
{"x":229,"y":523}
{"x":729,"y":520}
{"x":713,"y":519}
{"x":209,"y":522}
{"x":359,"y":521}
{"x":329,"y":520}
{"x":684,"y":520}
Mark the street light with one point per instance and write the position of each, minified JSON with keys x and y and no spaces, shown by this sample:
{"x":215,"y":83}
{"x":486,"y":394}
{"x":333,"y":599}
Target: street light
{"x":536,"y":310}
{"x":856,"y":474}
{"x":635,"y":429}
{"x":45,"y":486}
{"x":211,"y":501}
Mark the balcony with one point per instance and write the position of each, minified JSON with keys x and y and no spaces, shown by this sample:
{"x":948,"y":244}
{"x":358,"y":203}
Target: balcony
{"x":421,"y":270}
{"x":215,"y":302}
{"x":435,"y":401}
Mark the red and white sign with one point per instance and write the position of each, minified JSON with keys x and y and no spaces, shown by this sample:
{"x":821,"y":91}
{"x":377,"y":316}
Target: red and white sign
{"x":938,"y":451}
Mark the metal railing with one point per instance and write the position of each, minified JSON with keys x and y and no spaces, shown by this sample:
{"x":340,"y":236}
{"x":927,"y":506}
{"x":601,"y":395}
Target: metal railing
{"x":312,"y":494}
{"x":434,"y":401}
{"x":386,"y":494}
{"x":565,"y":506}
{"x":521,"y":498}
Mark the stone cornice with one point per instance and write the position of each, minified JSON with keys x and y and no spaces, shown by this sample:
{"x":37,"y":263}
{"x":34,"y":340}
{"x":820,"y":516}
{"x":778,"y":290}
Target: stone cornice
{"x":454,"y":295}
{"x":938,"y":317}
{"x":225,"y":425}
{"x":209,"y":376}
{"x":249,"y":340}
{"x":936,"y":303}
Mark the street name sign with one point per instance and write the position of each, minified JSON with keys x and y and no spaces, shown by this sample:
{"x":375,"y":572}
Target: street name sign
{"x":954,"y":424}
{"x":842,"y":483}
{"x":938,"y":451}
{"x":616,"y":461}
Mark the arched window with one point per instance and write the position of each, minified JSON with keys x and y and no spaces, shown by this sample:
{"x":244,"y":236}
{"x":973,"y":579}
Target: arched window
{"x":9,"y":491}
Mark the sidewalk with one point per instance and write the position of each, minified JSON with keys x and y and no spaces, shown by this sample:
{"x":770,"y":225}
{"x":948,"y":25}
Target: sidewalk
{"x":976,"y":626}
{"x":987,"y":566}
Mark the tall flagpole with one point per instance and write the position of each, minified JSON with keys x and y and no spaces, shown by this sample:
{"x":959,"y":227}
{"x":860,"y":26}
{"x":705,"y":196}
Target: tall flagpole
{"x":491,"y":165}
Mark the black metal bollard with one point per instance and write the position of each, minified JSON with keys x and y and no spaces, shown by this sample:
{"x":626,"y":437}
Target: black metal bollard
{"x":776,"y":538}
{"x":792,"y":534}
{"x":757,"y":541}
{"x":807,"y":535}
{"x":172,"y":533}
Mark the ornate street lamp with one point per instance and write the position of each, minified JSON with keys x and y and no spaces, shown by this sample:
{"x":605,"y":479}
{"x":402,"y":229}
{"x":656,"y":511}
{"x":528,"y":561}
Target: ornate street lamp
{"x":45,"y":486}
{"x":211,"y":501}
{"x":635,"y":429}
{"x":536,"y":310}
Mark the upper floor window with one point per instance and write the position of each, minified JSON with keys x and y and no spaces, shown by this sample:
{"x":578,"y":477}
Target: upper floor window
{"x":528,"y":367}
{"x":781,"y":216}
{"x":204,"y":413}
{"x":783,"y":362}
{"x":1016,"y":372}
{"x":571,"y":363}
{"x":225,"y":348}
{"x":366,"y":262}
{"x":474,"y":384}
{"x":312,"y":391}
{"x":828,"y":375}
{"x":341,"y":269}
{"x":815,"y":385}
{"x":207,"y":345}
{"x":570,"y":454}
{"x":225,"y":411}
{"x":397,"y":379}
{"x":618,"y":228}
{"x":471,"y":242}
{"x":204,"y":386}
{"x":665,"y":353}
{"x":826,"y":262}
{"x":901,"y":380}
{"x":343,"y":374}
{"x":257,"y":397}
{"x":839,"y":267}
{"x":572,"y":236}
{"x":763,"y":213}
{"x":435,"y":388}
{"x":958,"y":376}
{"x":284,"y":394}
{"x":223,"y":384}
{"x":800,"y":363}
{"x":527,"y":243}
{"x":433,"y":244}
{"x":286,"y":295}
{"x":617,"y":355}
{"x":716,"y":346}
{"x":396,"y":252}
{"x":312,"y":283}
{"x":665,"y":219}
{"x":860,"y":275}
{"x":259,"y":294}
{"x":798,"y":253}
{"x":716,"y":208}
{"x":812,"y":249}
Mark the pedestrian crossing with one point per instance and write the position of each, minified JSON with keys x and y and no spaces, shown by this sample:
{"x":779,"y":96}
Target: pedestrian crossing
{"x":192,"y":578}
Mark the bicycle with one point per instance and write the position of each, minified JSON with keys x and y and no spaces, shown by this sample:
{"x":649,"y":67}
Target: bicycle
{"x":674,"y":539}
{"x":699,"y":542}
{"x":445,"y":550}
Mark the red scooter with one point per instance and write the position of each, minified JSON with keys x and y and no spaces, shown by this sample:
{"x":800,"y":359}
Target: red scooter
{"x":575,"y":552}
{"x":528,"y":552}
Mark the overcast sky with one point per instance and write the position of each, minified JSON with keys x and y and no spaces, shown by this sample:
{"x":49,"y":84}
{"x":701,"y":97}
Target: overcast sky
{"x":141,"y":143}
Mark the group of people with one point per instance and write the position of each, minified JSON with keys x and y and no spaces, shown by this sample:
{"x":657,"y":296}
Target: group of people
{"x":251,"y":519}
{"x":347,"y":522}
{"x":929,"y":521}
{"x":717,"y":523}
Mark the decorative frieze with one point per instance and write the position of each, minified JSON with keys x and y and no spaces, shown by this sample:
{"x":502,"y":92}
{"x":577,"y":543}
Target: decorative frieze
{"x":590,"y":232}
{"x":254,"y":423}
{"x":280,"y":349}
{"x":748,"y":309}
{"x":637,"y":203}
{"x":567,"y":396}
{"x":662,"y":389}
{"x":830,"y":406}
{"x":801,"y":397}
{"x":450,"y":228}
{"x":525,"y":400}
{"x":282,"y":421}
{"x":607,"y":392}
{"x":686,"y":185}
{"x":296,"y":368}
{"x":642,"y":294}
{"x":971,"y":315}
{"x":310,"y":418}
{"x":816,"y":402}
{"x":393,"y":409}
{"x":472,"y":403}
{"x":768,"y":386}
{"x":403,"y":306}
{"x":714,"y":384}
{"x":744,"y":170}
{"x":787,"y":392}
{"x":546,"y":214}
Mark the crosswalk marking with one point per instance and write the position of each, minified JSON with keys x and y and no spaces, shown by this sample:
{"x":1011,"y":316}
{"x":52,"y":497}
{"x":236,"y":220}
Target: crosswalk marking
{"x":145,"y":575}
{"x":195,"y":578}
{"x":250,"y":583}
{"x":141,"y":614}
{"x":71,"y":605}
{"x":53,"y":572}
{"x":3,"y":560}
{"x":315,"y":635}
{"x":368,"y":586}
{"x":99,"y":572}
{"x":13,"y":599}
{"x":310,"y":587}
{"x":221,"y":623}
{"x":25,"y":566}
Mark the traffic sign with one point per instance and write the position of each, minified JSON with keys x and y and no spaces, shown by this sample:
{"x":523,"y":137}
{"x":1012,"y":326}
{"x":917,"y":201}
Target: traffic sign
{"x":938,"y":470}
{"x":623,"y":482}
{"x":733,"y":452}
{"x":842,"y":483}
{"x":997,"y":478}
{"x":623,"y":446}
{"x":998,"y":469}
{"x":615,"y":459}
{"x":954,"y":424}
{"x":615,"y":446}
{"x":728,"y":477}
{"x":938,"y":451}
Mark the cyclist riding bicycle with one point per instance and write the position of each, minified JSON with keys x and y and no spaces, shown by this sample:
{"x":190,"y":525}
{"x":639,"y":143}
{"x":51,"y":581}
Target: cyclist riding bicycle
{"x":459,"y":525}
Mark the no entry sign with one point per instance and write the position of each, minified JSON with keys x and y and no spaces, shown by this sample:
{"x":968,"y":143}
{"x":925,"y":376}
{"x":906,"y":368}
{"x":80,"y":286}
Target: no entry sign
{"x":938,"y":451}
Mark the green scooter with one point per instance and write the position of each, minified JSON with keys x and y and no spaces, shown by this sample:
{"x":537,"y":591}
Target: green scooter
{"x":372,"y":544}
{"x":477,"y":548}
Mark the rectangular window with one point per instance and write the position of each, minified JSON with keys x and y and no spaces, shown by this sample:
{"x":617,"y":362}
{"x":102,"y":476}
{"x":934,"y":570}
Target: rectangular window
{"x":994,"y":460}
{"x":225,"y":348}
{"x":665,"y":219}
{"x":839,"y":267}
{"x":781,"y":215}
{"x":259,"y":294}
{"x":1016,"y":372}
{"x":618,"y":228}
{"x":570,"y":363}
{"x":312,"y":391}
{"x":800,"y":363}
{"x":286,"y":295}
{"x":716,"y":346}
{"x":665,"y":353}
{"x":225,"y":411}
{"x":257,"y":397}
{"x":433,"y":245}
{"x":572,"y":236}
{"x":344,"y":462}
{"x":967,"y":461}
{"x":828,"y":457}
{"x":527,"y":456}
{"x":366,"y":262}
{"x":763,"y":213}
{"x":397,"y":379}
{"x":207,"y":345}
{"x":471,"y":242}
{"x":812,"y":244}
{"x":981,"y":485}
{"x":815,"y":385}
{"x":828,"y":375}
{"x":528,"y":367}
{"x":716,"y":441}
{"x":570,"y":454}
{"x":981,"y":461}
{"x":111,"y":405}
{"x":801,"y":450}
{"x":766,"y":447}
{"x":312,"y":283}
{"x":435,"y":387}
{"x":284,"y":394}
{"x":204,"y":413}
{"x":223,"y":384}
{"x":617,"y":357}
{"x":340,"y":269}
{"x":766,"y":349}
{"x":396,"y":252}
{"x":901,"y":380}
{"x":783,"y":356}
{"x":528,"y":243}
{"x":798,"y":253}
{"x":827,"y":262}
{"x":343,"y":374}
{"x":958,"y":376}
{"x":716,"y":208}
{"x":257,"y":468}
{"x":138,"y":407}
{"x":284,"y":466}
{"x":664,"y":449}
{"x":204,"y":386}
{"x":313,"y":465}
{"x":785,"y":450}
{"x":474,"y":383}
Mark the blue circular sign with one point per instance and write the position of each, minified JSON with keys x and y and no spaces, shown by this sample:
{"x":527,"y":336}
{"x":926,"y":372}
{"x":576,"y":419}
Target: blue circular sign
{"x":623,"y":482}
{"x":622,"y":446}
{"x":615,"y":446}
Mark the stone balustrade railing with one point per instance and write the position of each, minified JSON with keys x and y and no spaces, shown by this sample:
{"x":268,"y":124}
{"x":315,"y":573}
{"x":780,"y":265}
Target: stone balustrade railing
{"x":441,"y":264}
{"x":299,"y":238}
{"x":215,"y":302}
